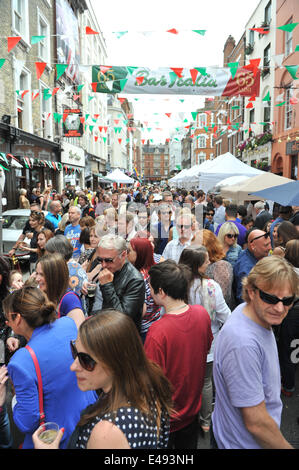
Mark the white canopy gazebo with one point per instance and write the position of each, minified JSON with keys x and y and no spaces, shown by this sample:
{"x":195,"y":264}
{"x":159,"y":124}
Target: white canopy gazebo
{"x":117,"y":176}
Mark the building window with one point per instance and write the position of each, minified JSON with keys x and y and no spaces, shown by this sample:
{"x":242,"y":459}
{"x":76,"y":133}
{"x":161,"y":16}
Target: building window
{"x":267,"y":115}
{"x":288,"y":46}
{"x":20,"y":20}
{"x":288,"y":110}
{"x":23,"y":83}
{"x":46,"y":107}
{"x":268,"y":13}
{"x":266,"y":62}
{"x":202,"y":142}
{"x":251,"y":37}
{"x":44,"y":45}
{"x":202,"y":120}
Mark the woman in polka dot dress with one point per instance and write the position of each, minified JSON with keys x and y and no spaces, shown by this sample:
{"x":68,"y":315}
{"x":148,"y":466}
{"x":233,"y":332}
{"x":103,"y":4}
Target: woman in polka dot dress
{"x":134,"y":402}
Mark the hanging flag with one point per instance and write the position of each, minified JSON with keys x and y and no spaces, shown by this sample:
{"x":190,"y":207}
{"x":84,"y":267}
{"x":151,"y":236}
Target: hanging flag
{"x":57,"y":117}
{"x":36,"y":39}
{"x":2,"y":62}
{"x":193,"y":73}
{"x":139,"y":80}
{"x":60,"y":69}
{"x":34,"y":96}
{"x":172,"y":31}
{"x":260,"y":30}
{"x":178,"y":71}
{"x":104,"y":68}
{"x":267,"y":97}
{"x":55,"y":90}
{"x":88,"y":30}
{"x":202,"y":32}
{"x":12,"y":41}
{"x":233,"y":68}
{"x":119,"y":34}
{"x":288,"y":27}
{"x":131,"y":69}
{"x":292,"y":69}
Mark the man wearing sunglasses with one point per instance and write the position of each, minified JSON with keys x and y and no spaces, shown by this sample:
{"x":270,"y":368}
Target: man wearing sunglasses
{"x":246,"y":369}
{"x":175,"y":247}
{"x":259,"y":246}
{"x":121,"y":284}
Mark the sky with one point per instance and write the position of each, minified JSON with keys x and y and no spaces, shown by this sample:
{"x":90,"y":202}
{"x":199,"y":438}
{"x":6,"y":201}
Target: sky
{"x":148,"y":44}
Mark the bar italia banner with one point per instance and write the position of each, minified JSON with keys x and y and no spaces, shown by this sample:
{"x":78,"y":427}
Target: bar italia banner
{"x":242,"y":81}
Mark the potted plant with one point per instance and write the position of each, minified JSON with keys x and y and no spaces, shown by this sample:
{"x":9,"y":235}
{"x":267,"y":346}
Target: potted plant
{"x":249,"y":49}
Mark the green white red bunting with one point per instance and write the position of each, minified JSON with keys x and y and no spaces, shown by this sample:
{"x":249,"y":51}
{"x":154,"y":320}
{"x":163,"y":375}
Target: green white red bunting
{"x":196,"y":81}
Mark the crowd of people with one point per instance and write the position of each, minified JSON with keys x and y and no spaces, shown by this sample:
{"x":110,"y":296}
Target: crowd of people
{"x":154,"y":315}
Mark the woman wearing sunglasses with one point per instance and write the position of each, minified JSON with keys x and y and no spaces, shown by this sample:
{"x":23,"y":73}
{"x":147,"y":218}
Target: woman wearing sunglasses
{"x":30,"y":314}
{"x":228,"y":237}
{"x":134,"y":401}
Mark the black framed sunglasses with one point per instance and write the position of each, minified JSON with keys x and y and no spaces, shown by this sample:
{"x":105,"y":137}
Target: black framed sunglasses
{"x":232,"y":235}
{"x":273,"y":300}
{"x":107,"y":260}
{"x":265,"y":235}
{"x":182,"y":226}
{"x":85,"y":360}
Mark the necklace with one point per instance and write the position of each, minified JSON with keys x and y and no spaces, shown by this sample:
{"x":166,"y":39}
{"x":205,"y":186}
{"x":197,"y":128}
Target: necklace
{"x":176,"y":308}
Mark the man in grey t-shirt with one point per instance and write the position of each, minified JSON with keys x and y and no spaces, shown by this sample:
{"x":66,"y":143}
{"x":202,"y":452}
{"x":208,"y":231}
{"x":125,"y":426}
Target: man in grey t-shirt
{"x":246,"y":369}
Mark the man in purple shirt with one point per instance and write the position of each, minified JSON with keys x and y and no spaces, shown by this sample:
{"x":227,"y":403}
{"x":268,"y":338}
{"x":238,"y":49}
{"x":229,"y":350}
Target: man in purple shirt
{"x":246,"y":368}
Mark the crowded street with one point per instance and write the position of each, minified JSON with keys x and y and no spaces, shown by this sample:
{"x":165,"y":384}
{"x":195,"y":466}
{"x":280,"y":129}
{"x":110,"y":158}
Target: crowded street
{"x":149,"y":228}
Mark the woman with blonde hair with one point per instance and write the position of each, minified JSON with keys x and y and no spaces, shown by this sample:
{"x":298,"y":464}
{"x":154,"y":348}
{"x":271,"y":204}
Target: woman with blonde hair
{"x":219,"y":269}
{"x":23,"y":201}
{"x":228,"y":237}
{"x":134,"y":403}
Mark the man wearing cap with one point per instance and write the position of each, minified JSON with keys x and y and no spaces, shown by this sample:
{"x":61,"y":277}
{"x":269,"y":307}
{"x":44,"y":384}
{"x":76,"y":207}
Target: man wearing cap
{"x":259,"y":246}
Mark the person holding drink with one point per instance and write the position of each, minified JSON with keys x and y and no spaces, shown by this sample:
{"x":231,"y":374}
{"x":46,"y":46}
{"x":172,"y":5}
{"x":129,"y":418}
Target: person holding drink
{"x":134,"y":402}
{"x":29,"y":313}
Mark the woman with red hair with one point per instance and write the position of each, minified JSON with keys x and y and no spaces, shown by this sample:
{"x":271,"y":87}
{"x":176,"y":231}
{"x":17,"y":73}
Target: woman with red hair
{"x":219,"y":269}
{"x":141,"y":255}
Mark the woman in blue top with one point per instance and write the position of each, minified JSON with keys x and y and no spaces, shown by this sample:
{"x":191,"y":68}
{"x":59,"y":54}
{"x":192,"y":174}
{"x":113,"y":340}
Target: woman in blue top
{"x":52,"y":276}
{"x":134,"y":403}
{"x":228,"y":236}
{"x":30,"y":314}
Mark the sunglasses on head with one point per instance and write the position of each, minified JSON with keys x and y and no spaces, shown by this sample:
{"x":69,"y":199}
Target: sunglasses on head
{"x":35,"y":212}
{"x":265,"y":235}
{"x":273,"y":300}
{"x":231,"y":235}
{"x":87,"y":362}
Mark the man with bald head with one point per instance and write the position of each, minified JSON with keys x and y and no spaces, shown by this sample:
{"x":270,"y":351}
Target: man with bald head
{"x":259,"y":246}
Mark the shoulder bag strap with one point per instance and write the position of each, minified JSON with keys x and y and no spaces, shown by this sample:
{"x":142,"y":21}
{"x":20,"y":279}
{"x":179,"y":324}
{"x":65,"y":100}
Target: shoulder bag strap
{"x":40,"y":385}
